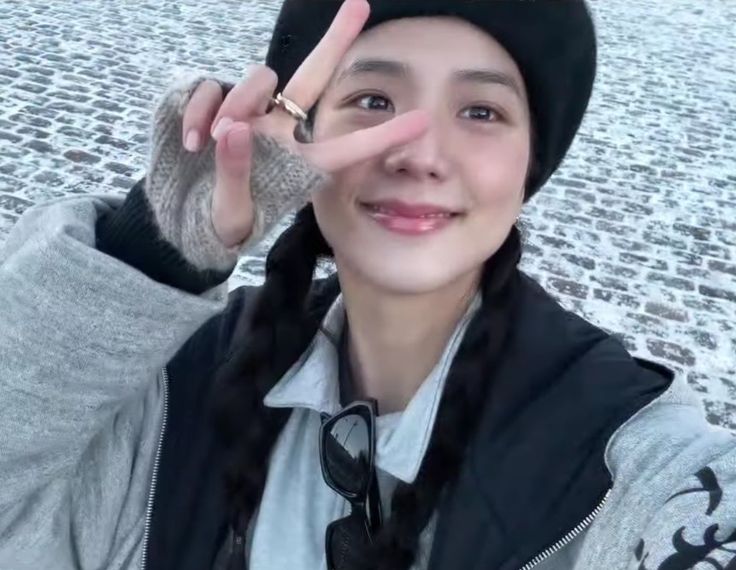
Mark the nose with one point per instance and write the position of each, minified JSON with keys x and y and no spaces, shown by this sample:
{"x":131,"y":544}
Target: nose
{"x":422,"y":158}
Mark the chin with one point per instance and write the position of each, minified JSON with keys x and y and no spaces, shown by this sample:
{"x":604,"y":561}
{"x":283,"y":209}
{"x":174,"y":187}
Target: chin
{"x":413,"y":258}
{"x":397,"y":275}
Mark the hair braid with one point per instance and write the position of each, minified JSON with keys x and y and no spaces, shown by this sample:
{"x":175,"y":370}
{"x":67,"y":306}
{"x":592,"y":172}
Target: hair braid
{"x":412,"y":506}
{"x":280,"y":325}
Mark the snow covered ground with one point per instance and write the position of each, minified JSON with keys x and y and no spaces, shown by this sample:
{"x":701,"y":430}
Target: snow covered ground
{"x":637,"y":231}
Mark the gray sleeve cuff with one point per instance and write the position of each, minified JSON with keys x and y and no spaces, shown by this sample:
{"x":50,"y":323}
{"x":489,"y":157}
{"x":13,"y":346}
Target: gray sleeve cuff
{"x":179,"y":185}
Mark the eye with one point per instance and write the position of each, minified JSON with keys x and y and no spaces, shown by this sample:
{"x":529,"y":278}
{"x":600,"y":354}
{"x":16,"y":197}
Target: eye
{"x":372,"y":102}
{"x":481,"y":113}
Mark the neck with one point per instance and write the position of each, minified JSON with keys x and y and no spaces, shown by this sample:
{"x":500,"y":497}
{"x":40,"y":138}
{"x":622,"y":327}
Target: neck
{"x":395,"y":340}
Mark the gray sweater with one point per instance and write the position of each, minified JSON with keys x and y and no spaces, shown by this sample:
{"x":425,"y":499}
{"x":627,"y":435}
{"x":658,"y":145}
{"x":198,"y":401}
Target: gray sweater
{"x":83,"y":338}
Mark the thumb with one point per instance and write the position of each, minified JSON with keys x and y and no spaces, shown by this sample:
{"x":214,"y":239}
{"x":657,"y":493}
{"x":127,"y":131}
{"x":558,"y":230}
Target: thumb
{"x":232,"y":203}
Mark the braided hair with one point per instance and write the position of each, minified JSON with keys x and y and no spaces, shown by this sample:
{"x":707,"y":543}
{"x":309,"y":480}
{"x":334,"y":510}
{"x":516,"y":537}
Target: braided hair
{"x":412,"y":505}
{"x":283,"y":324}
{"x":280,"y":324}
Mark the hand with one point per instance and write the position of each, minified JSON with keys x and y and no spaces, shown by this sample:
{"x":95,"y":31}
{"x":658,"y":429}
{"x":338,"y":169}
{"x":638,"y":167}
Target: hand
{"x":232,"y":123}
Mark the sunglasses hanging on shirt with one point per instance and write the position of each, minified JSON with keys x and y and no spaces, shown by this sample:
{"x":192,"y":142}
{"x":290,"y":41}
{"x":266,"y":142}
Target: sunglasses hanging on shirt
{"x":347,"y":444}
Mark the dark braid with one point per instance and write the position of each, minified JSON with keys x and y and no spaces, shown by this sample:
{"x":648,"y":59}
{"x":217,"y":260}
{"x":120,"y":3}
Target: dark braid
{"x":467,"y":383}
{"x":281,"y":326}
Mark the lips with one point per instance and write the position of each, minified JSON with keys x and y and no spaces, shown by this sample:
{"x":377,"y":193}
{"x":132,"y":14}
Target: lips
{"x":409,"y":219}
{"x":405,"y":210}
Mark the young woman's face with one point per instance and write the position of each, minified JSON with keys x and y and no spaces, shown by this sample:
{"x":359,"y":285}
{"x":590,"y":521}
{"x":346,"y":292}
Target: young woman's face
{"x":429,"y":213}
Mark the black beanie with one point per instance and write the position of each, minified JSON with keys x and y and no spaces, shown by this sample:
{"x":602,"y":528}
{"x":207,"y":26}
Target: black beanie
{"x":553,"y":43}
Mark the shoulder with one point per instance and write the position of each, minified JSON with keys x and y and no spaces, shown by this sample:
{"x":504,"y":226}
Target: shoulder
{"x":213,"y":341}
{"x":551,"y":342}
{"x":541,"y":321}
{"x":218,"y":338}
{"x":668,"y":440}
{"x":667,"y":419}
{"x":675,"y":484}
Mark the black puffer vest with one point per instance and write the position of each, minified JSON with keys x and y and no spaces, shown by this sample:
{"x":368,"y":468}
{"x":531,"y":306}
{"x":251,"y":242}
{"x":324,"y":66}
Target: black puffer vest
{"x":534,"y":470}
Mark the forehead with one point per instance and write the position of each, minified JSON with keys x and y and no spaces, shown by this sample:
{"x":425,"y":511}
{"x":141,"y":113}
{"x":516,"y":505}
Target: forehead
{"x":443,"y":41}
{"x":432,"y":50}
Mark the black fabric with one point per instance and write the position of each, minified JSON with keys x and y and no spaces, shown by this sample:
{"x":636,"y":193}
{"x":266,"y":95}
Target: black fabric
{"x":534,"y":470}
{"x":347,"y":542}
{"x":553,"y":43}
{"x":131,"y":235}
{"x":189,"y":521}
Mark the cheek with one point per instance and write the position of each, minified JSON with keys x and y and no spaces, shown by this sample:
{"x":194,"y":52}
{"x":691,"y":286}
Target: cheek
{"x":496,"y":174}
{"x":327,"y":211}
{"x":343,"y":187}
{"x":328,"y":124}
{"x":334,"y":204}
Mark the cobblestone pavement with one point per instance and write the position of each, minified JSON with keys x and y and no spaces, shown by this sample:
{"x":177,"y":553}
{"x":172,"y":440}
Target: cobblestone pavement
{"x":637,"y":231}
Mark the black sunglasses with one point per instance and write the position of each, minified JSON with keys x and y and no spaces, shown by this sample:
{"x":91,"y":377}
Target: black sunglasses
{"x":347,"y":445}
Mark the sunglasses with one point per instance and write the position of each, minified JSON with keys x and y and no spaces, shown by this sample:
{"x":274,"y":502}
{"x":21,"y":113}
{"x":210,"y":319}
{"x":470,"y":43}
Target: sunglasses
{"x":347,"y":445}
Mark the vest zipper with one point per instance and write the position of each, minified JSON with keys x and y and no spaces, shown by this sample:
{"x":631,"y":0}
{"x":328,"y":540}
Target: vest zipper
{"x":154,"y":478}
{"x":567,"y":539}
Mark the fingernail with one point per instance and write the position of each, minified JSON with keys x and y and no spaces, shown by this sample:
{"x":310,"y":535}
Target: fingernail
{"x":220,"y":128}
{"x":192,"y":141}
{"x":238,"y":140}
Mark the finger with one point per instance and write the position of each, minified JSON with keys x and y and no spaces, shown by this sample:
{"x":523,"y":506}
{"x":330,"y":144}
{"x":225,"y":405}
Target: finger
{"x":314,"y":74}
{"x":246,"y":100}
{"x":198,"y":115}
{"x":232,"y":206}
{"x":233,"y":158}
{"x":340,"y":152}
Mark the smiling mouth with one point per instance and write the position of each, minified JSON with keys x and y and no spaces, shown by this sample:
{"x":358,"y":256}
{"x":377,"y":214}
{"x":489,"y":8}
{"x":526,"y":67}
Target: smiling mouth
{"x":409,"y":219}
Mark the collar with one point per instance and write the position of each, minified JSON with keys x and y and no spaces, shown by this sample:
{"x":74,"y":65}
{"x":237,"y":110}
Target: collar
{"x":402,"y":438}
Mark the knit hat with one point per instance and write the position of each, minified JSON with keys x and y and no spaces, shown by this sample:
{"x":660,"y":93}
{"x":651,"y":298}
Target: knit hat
{"x":553,"y":43}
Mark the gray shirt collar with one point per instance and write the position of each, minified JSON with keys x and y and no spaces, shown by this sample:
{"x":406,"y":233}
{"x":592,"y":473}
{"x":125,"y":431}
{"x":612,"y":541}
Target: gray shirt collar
{"x":402,"y":438}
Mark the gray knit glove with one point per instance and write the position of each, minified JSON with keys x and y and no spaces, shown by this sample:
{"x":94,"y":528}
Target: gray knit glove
{"x":180,"y":184}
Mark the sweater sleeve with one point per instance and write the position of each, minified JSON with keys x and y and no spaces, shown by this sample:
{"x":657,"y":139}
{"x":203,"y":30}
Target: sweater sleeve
{"x":130,"y":234}
{"x":179,"y":186}
{"x":81,"y":334}
{"x":696,"y":523}
{"x":98,"y":294}
{"x":673,"y":502}
{"x":164,"y":227}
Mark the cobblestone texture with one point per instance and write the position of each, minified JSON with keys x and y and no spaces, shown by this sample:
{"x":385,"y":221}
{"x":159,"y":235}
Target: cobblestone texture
{"x":637,"y":231}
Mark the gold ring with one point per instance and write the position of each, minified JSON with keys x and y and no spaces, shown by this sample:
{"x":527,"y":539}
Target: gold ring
{"x":289,"y":106}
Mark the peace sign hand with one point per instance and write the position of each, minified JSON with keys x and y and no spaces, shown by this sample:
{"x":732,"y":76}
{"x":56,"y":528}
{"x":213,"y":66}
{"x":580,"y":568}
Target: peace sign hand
{"x":247,"y":178}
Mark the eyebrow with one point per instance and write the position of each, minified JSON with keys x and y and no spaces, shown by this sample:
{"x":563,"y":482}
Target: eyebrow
{"x":401,"y":70}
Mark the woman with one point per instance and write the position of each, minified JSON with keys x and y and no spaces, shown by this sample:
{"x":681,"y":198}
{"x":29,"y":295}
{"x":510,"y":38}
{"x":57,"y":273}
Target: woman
{"x":427,"y":407}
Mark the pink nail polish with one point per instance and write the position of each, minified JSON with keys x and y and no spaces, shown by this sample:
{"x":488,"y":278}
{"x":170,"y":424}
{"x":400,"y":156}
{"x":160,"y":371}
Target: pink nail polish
{"x":222,"y":126}
{"x":192,"y":141}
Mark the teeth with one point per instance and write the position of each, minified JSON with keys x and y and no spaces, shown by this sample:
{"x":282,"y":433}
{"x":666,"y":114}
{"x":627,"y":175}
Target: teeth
{"x":380,"y":210}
